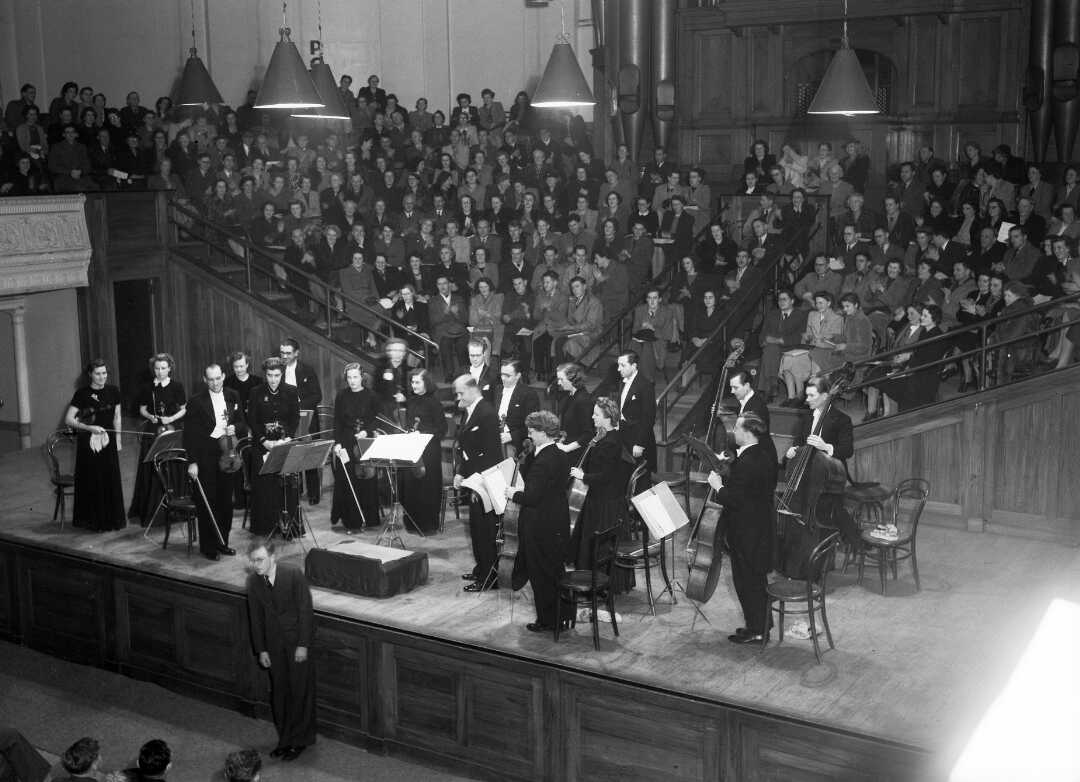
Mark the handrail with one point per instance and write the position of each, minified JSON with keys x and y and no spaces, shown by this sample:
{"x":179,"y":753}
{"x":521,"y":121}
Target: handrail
{"x":331,"y":293}
{"x":983,"y":327}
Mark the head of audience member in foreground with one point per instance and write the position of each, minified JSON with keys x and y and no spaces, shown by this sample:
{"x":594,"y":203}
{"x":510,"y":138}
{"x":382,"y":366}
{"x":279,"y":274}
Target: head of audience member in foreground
{"x":243,"y":765}
{"x":83,"y":757}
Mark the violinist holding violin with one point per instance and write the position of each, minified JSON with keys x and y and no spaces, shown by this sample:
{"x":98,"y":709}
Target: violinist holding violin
{"x":354,"y":416}
{"x":748,"y":495}
{"x":161,"y":407}
{"x":213,"y":414}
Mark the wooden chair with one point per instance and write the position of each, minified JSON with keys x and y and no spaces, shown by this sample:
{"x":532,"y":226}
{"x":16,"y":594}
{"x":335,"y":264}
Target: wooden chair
{"x":177,"y":500}
{"x":811,"y":592}
{"x":592,"y":587}
{"x":450,"y":495}
{"x":908,"y":502}
{"x":243,"y":448}
{"x":643,"y":554}
{"x":59,"y":451}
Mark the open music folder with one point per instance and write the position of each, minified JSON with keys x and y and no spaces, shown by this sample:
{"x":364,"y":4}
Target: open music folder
{"x":660,"y":511}
{"x":490,"y":485}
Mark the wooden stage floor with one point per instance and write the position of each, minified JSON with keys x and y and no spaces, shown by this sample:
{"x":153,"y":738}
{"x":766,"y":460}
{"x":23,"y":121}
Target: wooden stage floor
{"x":914,"y":667}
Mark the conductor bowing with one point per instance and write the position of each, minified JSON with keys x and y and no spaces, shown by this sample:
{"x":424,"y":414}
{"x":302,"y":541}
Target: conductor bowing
{"x":212,"y":414}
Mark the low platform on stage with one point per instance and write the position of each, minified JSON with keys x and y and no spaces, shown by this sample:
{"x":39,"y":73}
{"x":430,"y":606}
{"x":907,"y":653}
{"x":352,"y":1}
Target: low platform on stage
{"x":916,"y":668}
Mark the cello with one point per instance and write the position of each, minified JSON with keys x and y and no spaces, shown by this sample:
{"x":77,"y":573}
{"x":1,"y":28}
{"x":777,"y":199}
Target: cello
{"x":810,"y":473}
{"x":578,"y":489}
{"x":705,"y":548}
{"x":508,"y":533}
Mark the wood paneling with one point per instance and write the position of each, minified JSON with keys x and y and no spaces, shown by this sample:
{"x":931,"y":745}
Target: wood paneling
{"x":9,"y":618}
{"x":63,"y":608}
{"x":1025,"y":430}
{"x":942,"y":458}
{"x":981,"y":43}
{"x":923,"y":62}
{"x":345,"y":669}
{"x":1067,"y":458}
{"x":714,"y":88}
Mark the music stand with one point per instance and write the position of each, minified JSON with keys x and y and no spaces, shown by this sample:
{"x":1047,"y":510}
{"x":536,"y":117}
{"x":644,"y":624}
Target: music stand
{"x":290,"y":461}
{"x":171,"y":440}
{"x":393,"y":452}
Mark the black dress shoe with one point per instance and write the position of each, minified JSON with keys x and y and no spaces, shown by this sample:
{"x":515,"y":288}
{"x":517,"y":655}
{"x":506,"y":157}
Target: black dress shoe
{"x":476,"y":586}
{"x":292,"y":753}
{"x":536,"y":627}
{"x":469,"y":577}
{"x":278,"y":752}
{"x":741,"y":631}
{"x":749,"y":638}
{"x":212,"y":555}
{"x":229,"y":552}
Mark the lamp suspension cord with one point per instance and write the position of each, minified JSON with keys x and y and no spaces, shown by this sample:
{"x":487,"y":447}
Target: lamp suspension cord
{"x":843,"y":36}
{"x":193,"y":27}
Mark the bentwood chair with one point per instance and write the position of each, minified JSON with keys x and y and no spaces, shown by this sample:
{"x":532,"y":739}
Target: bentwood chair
{"x":59,"y":451}
{"x":810,"y":592}
{"x":592,"y":587}
{"x":908,"y":502}
{"x":177,"y":500}
{"x":243,"y":449}
{"x":641,"y":552}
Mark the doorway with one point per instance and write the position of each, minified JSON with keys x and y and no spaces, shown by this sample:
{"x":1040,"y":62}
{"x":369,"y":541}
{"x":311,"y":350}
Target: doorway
{"x":136,"y":335}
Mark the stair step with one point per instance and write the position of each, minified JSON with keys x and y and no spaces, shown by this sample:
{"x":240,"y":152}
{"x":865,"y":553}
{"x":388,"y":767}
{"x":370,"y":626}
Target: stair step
{"x":275,"y":296}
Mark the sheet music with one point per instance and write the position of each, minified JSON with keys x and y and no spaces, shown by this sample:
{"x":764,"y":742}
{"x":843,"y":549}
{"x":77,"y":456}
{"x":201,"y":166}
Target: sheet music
{"x":660,"y":511}
{"x":490,"y":485}
{"x":407,"y":447}
{"x":475,"y":483}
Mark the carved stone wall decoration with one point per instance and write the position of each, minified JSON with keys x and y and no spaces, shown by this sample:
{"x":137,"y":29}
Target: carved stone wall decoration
{"x":44,"y":244}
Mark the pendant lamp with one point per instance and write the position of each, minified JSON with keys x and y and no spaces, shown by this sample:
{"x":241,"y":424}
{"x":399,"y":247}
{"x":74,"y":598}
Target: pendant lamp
{"x":323,"y":78}
{"x":563,"y":84}
{"x":196,"y":86}
{"x":287,"y":84}
{"x":844,"y":89}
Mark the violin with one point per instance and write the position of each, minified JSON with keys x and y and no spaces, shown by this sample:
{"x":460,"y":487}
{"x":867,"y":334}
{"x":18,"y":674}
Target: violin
{"x":509,"y":549}
{"x":229,"y":461}
{"x":161,"y":428}
{"x":705,"y":547}
{"x":578,"y":489}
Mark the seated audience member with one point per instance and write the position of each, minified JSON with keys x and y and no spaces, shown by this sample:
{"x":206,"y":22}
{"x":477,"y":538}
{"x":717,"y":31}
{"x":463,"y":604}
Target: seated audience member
{"x":653,"y":328}
{"x":81,"y":761}
{"x":904,"y":329}
{"x":782,"y":330}
{"x":69,"y":164}
{"x":155,"y":760}
{"x":862,"y":281}
{"x":815,"y":352}
{"x":857,"y":335}
{"x":1018,"y":355}
{"x":822,"y":278}
{"x":1021,"y":255}
{"x":26,"y":762}
{"x":584,"y":319}
{"x":918,"y":385}
{"x":243,"y":766}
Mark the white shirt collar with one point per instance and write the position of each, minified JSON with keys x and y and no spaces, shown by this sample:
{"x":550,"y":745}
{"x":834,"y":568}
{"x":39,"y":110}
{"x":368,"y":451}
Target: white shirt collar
{"x":739,"y":451}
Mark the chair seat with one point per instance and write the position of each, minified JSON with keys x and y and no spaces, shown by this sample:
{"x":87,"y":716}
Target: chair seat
{"x":790,"y":590}
{"x":64,"y":480}
{"x":671,"y":478}
{"x":867,"y":492}
{"x":183,"y":504}
{"x":903,"y":540}
{"x":698,"y":478}
{"x":582,"y":580}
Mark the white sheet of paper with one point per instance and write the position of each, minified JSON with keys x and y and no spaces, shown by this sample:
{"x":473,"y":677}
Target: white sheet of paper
{"x":660,"y":511}
{"x":408,"y":447}
{"x":475,"y":483}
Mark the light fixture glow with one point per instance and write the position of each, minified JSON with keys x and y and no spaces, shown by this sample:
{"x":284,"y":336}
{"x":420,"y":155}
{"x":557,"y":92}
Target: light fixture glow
{"x":563,"y":85}
{"x":287,"y":84}
{"x":334,"y":108}
{"x":196,"y":86}
{"x":844,"y":89}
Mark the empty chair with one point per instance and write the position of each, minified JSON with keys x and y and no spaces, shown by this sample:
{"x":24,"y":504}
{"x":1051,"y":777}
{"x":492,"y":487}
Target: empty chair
{"x":810,"y":592}
{"x":177,"y":502}
{"x":592,"y":587}
{"x":643,"y":553}
{"x":908,"y":502}
{"x":59,"y":452}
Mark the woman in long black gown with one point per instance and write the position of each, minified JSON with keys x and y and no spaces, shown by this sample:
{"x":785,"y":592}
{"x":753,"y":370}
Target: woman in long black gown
{"x":392,"y":382}
{"x":575,"y":410}
{"x":606,"y":470}
{"x":94,"y":414}
{"x":162,"y":408}
{"x":273,"y":415}
{"x":422,"y":497}
{"x":354,"y":416}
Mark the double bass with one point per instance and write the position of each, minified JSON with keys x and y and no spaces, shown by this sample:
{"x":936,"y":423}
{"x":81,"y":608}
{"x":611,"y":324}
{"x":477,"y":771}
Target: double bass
{"x":705,"y":549}
{"x":508,"y":537}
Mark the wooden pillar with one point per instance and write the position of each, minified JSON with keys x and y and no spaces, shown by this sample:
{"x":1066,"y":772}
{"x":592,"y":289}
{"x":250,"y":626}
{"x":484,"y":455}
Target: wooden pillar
{"x":16,"y":308}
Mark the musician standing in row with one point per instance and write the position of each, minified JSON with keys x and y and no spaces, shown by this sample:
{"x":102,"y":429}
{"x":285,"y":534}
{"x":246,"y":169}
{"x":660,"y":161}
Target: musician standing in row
{"x":243,"y":381}
{"x":354,"y":416}
{"x":303,"y":378}
{"x":748,"y":497}
{"x":273,"y":415}
{"x":161,"y":406}
{"x":606,"y":470}
{"x":751,"y":402}
{"x":421,"y":496}
{"x":94,"y":414}
{"x":835,"y":438}
{"x":637,"y":410}
{"x":576,"y":408}
{"x":479,"y":448}
{"x":392,"y":381}
{"x":213,"y":413}
{"x":545,"y":518}
{"x":514,"y":401}
{"x":481,"y":369}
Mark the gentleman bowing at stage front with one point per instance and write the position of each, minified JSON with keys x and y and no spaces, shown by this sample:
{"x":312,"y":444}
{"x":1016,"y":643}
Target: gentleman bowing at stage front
{"x":514,"y":401}
{"x":479,"y":448}
{"x":544,"y":522}
{"x":748,"y":497}
{"x":637,"y":410}
{"x":212,"y":413}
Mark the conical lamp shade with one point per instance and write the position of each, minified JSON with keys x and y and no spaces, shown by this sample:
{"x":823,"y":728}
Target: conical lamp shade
{"x":323,"y":78}
{"x":287,"y":84}
{"x":563,"y":84}
{"x":196,"y":86}
{"x":844,"y":90}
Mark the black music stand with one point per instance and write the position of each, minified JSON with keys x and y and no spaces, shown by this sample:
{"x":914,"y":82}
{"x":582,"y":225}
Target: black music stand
{"x":393,"y":452}
{"x":290,"y":461}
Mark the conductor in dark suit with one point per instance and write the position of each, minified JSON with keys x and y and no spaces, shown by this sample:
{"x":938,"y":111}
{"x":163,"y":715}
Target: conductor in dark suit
{"x":748,"y":496}
{"x":282,"y":630}
{"x":545,"y":518}
{"x":479,"y":448}
{"x":514,"y":401}
{"x":213,"y":413}
{"x":303,"y":377}
{"x":637,"y":410}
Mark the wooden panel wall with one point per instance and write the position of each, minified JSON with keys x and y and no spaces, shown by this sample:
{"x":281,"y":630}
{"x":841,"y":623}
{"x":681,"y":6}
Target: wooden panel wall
{"x":1010,"y":463}
{"x":490,"y":714}
{"x":956,"y":78}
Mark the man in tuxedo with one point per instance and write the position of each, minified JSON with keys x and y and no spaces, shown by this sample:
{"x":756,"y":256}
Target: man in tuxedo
{"x":305,"y":380}
{"x":751,"y":402}
{"x":782,"y":330}
{"x":513,"y":402}
{"x":748,"y":497}
{"x":212,"y":413}
{"x":481,"y":369}
{"x":637,"y":410}
{"x":479,"y":448}
{"x":835,"y":438}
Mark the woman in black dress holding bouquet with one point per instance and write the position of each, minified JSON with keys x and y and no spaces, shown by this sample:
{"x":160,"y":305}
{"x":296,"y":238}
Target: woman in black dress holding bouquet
{"x":94,"y":414}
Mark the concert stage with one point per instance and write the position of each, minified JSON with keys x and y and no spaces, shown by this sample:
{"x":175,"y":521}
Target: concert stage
{"x":457,"y":677}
